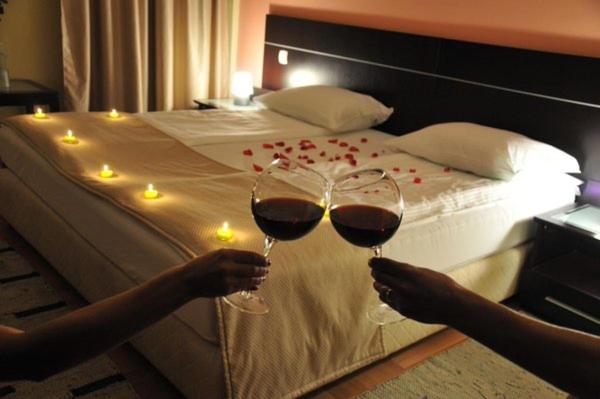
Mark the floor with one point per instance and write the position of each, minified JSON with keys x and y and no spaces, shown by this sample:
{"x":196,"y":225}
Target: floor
{"x":149,"y":383}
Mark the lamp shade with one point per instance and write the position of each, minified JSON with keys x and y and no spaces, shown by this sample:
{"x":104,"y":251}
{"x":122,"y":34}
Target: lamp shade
{"x":242,"y":87}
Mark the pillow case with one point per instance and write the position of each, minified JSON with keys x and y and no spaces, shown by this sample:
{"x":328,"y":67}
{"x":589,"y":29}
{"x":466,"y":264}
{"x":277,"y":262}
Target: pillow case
{"x":333,"y":108}
{"x":483,"y":150}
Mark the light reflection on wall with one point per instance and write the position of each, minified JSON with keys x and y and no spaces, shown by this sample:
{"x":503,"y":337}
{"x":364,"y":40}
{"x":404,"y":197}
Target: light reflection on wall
{"x":302,"y":77}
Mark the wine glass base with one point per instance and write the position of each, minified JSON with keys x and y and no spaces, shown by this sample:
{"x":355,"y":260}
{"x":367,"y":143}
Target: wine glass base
{"x":383,"y":314}
{"x":247,"y":303}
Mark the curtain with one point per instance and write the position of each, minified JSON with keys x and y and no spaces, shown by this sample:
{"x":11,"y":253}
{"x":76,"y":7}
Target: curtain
{"x":141,"y":55}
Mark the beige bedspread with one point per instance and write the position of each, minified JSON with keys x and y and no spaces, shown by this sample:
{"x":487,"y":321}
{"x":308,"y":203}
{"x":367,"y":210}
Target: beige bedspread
{"x":315,"y":329}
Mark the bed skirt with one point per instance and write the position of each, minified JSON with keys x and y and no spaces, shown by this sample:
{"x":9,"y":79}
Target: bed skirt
{"x":192,"y":364}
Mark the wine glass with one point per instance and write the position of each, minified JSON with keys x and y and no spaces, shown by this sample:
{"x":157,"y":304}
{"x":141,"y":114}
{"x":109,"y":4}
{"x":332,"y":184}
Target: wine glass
{"x":366,"y":210}
{"x":286,"y":204}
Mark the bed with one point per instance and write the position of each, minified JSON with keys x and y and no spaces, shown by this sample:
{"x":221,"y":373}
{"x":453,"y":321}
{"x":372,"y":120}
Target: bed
{"x":98,"y":236}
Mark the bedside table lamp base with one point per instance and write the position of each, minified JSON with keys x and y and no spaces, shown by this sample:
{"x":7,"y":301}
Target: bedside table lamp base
{"x":241,"y":101}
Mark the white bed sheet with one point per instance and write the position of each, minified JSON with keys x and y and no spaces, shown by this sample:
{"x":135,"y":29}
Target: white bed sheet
{"x":442,"y":233}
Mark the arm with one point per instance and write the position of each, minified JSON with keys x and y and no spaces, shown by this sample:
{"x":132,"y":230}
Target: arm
{"x":92,"y":330}
{"x":566,"y":358}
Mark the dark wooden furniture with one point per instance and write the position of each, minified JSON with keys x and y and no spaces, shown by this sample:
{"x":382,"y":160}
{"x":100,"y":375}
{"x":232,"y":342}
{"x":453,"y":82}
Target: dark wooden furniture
{"x":554,"y":98}
{"x":561,"y":280}
{"x":28,"y":94}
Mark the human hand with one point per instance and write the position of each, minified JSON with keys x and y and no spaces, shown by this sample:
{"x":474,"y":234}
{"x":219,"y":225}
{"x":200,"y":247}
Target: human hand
{"x":223,"y":272}
{"x":418,"y":293}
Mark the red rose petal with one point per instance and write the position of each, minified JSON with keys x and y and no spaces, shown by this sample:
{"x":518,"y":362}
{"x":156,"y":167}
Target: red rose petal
{"x":396,"y":169}
{"x":343,"y":144}
{"x":332,"y":141}
{"x":267,"y":146}
{"x":330,"y":159}
{"x":447,"y":169}
{"x":353,"y":149}
{"x":257,"y":168}
{"x":280,"y":143}
{"x":248,"y":152}
{"x":322,"y":153}
{"x":417,"y":180}
{"x":363,"y":140}
{"x":310,"y":161}
{"x":374,"y":155}
{"x":349,"y":156}
{"x":276,"y":155}
{"x":353,"y":162}
{"x":411,"y":170}
{"x":289,"y":149}
{"x":282,"y":156}
{"x":337,"y":157}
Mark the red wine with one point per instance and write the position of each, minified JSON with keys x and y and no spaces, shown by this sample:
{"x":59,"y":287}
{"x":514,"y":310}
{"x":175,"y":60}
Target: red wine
{"x":364,"y":225}
{"x":286,"y":218}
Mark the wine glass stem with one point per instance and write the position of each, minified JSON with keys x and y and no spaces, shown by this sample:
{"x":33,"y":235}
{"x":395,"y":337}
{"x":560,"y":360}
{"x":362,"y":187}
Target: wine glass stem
{"x":269,"y":242}
{"x":377,"y":251}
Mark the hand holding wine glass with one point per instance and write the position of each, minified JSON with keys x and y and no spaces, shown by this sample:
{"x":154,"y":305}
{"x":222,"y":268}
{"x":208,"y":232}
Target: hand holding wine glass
{"x":286,"y":206}
{"x":366,"y":210}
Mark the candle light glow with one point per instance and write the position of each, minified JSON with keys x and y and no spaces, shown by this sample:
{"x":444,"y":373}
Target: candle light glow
{"x":70,"y":138}
{"x":151,"y":192}
{"x":114,"y":114}
{"x":40,"y":114}
{"x":106,"y":172}
{"x":224,"y":233}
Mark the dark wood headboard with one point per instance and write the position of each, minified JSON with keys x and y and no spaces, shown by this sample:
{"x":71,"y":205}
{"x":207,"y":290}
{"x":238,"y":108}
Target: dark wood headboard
{"x":553,"y":98}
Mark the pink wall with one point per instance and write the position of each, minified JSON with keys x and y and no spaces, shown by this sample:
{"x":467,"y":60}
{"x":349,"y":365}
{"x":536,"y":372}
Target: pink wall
{"x":566,"y":26}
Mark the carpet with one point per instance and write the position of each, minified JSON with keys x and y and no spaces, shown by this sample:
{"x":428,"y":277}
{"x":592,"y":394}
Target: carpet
{"x":27,"y":301}
{"x":467,"y":370}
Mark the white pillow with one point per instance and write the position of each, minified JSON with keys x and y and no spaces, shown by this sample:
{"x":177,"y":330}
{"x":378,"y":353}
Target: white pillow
{"x":483,"y":150}
{"x":333,"y":108}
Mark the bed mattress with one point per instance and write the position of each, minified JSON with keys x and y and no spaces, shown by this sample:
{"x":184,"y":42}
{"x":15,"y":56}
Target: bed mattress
{"x":441,"y":234}
{"x":441,"y":231}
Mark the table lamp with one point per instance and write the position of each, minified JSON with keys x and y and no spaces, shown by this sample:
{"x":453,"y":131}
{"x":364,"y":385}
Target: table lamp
{"x":242,"y":88}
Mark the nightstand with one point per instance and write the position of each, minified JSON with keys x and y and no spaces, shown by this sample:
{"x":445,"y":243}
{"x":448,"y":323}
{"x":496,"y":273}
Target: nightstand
{"x":561,"y":279}
{"x":225,"y":103}
{"x":29,"y":94}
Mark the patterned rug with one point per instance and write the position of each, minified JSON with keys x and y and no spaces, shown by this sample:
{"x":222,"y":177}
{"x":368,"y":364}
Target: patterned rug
{"x":25,"y":302}
{"x":468,"y":370}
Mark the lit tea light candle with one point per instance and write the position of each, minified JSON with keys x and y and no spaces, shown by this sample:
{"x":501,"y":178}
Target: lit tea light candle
{"x":151,"y":192}
{"x":106,"y":172}
{"x":322,"y":204}
{"x":114,"y":114}
{"x":70,"y":138}
{"x":224,"y":233}
{"x":40,"y":114}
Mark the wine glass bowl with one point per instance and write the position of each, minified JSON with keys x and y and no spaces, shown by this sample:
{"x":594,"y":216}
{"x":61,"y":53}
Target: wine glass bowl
{"x":366,"y":210}
{"x":286,"y":205}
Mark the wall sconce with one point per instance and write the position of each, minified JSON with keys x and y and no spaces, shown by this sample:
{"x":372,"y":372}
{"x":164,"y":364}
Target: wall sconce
{"x":282,"y":57}
{"x":242,"y":88}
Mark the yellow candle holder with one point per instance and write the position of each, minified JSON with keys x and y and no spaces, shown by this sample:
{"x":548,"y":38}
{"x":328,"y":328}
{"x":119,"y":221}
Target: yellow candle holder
{"x":106,"y":172}
{"x":40,"y":114}
{"x":224,"y":233}
{"x":114,"y":114}
{"x":151,"y":192}
{"x":70,"y":138}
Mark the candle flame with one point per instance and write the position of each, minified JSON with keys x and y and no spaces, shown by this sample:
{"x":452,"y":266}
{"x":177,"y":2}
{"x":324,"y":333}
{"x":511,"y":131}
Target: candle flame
{"x":39,"y":110}
{"x":105,"y":167}
{"x":70,"y":133}
{"x":114,"y":111}
{"x":150,"y":187}
{"x":225,"y":226}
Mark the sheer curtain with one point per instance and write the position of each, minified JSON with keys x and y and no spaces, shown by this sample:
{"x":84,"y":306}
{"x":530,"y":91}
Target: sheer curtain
{"x":140,"y":55}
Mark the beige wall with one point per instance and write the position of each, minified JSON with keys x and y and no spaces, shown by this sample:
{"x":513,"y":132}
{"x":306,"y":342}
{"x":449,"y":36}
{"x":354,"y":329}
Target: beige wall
{"x":567,"y":26}
{"x":30,"y":31}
